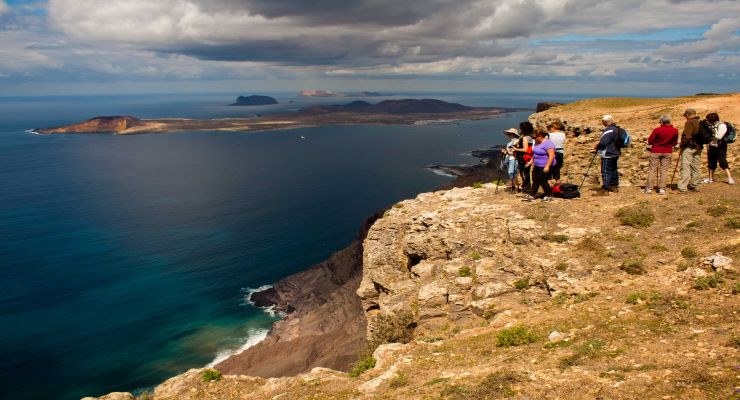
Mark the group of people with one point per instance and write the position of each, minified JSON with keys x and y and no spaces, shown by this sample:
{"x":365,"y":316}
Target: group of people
{"x":536,"y":156}
{"x":665,"y":138}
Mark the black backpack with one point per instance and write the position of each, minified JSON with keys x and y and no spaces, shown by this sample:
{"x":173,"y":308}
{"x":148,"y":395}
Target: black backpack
{"x":705,"y":134}
{"x":623,"y":138}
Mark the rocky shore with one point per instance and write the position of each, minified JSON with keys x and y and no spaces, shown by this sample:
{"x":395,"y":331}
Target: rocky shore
{"x":493,"y":297}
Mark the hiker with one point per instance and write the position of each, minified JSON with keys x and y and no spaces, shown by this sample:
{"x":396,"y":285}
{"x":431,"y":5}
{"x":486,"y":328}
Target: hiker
{"x":690,"y":155}
{"x":609,"y":152}
{"x":661,"y":142}
{"x":524,"y":152}
{"x":509,"y":157}
{"x":543,"y":158}
{"x":717,"y":149}
{"x":556,"y":135}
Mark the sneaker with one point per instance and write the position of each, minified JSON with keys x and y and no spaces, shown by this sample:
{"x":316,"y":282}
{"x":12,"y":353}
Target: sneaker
{"x":730,"y":181}
{"x":706,"y":180}
{"x":547,"y":198}
{"x":528,"y":198}
{"x":661,"y":191}
{"x":694,"y":188}
{"x":647,"y":191}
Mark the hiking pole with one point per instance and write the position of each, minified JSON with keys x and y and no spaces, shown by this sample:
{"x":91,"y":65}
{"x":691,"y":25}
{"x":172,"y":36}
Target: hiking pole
{"x":676,"y":167}
{"x":587,"y":169}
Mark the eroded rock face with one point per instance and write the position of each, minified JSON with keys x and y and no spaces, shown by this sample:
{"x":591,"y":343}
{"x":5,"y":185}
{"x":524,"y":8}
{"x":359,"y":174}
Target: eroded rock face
{"x":450,"y":259}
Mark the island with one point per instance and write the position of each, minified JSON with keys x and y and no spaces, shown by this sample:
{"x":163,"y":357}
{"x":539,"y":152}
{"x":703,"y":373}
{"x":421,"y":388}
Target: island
{"x":254,"y":100}
{"x":387,"y":112}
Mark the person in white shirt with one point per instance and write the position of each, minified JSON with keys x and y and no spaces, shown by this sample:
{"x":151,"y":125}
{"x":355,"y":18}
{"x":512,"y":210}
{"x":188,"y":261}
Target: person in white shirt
{"x":717,"y":149}
{"x":556,"y":135}
{"x":509,"y":157}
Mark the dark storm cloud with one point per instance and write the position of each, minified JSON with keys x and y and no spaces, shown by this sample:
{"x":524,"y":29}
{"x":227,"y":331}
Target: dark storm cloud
{"x":337,"y":12}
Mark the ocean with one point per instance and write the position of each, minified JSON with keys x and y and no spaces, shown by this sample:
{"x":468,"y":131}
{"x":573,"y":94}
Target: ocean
{"x":125,"y":260}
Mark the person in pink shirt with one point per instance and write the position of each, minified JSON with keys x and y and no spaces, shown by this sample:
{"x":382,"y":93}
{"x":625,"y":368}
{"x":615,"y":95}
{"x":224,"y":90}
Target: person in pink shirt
{"x":661,"y":141}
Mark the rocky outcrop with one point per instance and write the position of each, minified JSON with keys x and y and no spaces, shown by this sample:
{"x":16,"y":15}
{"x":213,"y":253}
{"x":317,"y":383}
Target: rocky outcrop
{"x":254,"y":100}
{"x":546,"y":105}
{"x":96,"y":125}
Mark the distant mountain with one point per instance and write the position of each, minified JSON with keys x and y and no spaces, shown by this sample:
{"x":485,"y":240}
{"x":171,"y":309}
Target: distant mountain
{"x":116,"y":123}
{"x":254,"y":101}
{"x":405,"y":106}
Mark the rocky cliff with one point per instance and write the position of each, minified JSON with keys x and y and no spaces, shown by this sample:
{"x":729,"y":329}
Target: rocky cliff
{"x":619,"y":297}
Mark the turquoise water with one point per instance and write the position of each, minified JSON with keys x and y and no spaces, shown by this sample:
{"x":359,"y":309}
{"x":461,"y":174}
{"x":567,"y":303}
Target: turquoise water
{"x":125,"y":259}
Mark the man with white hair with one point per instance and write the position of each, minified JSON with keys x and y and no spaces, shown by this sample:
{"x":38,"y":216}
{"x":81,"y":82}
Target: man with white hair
{"x":609,"y":153}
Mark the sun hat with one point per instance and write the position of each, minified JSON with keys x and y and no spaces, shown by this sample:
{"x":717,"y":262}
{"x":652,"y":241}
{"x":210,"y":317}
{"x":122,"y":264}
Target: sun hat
{"x":607,"y":117}
{"x":512,"y":131}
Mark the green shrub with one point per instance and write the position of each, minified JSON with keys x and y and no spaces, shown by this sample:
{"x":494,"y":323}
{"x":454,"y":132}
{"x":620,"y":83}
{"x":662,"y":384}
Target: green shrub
{"x":637,"y":216}
{"x":211,"y":375}
{"x":365,"y":363}
{"x":464,"y":271}
{"x":494,"y":386}
{"x":477,"y":185}
{"x":475,"y":256}
{"x":659,"y":247}
{"x":634,"y":298}
{"x":561,"y":266}
{"x":707,"y":282}
{"x":689,"y":252}
{"x":398,"y":380}
{"x":557,"y":238}
{"x":560,"y":298}
{"x":736,"y":288}
{"x":392,"y":328}
{"x":522,"y":284}
{"x":733,"y":223}
{"x":515,"y":336}
{"x":633,"y":267}
{"x":581,"y":297}
{"x":718,"y":210}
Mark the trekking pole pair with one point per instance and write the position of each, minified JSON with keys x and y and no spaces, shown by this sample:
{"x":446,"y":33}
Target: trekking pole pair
{"x":587,"y":169}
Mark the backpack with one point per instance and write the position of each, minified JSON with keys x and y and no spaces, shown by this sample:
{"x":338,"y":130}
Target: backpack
{"x":730,"y":134}
{"x":705,"y":134}
{"x":566,"y":191}
{"x":527,"y":155}
{"x":623,"y":138}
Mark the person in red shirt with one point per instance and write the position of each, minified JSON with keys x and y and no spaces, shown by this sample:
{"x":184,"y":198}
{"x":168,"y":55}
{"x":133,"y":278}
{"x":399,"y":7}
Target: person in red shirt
{"x":661,"y":142}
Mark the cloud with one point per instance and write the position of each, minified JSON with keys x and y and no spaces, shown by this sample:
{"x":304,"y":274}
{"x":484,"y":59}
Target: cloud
{"x":374,"y":39}
{"x":721,"y":36}
{"x":3,"y":7}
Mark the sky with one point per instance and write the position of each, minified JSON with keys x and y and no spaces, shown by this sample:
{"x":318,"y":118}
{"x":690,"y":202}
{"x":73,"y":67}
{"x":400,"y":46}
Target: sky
{"x":626,"y":47}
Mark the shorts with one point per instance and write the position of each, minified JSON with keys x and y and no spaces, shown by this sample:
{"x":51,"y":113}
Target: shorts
{"x":511,"y":167}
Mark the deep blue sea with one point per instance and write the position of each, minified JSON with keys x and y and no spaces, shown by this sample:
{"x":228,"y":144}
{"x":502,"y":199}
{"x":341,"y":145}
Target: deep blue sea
{"x":125,"y":260}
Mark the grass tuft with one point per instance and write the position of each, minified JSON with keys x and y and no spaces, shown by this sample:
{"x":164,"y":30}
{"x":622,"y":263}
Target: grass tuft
{"x":515,"y":336}
{"x":633,"y":267}
{"x":365,"y":363}
{"x":211,"y":375}
{"x":708,"y":282}
{"x":689,"y":252}
{"x":464,"y":271}
{"x":557,"y":238}
{"x":636,"y":216}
